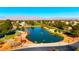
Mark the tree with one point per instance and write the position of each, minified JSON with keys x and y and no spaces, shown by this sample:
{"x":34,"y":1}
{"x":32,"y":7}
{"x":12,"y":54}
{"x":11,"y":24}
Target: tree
{"x":5,"y":26}
{"x":75,"y":27}
{"x":59,"y":24}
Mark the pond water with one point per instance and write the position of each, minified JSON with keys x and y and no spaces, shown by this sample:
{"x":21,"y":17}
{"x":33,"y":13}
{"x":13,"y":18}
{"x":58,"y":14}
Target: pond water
{"x":40,"y":35}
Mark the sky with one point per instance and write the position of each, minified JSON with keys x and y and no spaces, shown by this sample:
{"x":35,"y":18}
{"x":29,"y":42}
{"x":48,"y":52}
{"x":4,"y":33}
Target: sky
{"x":40,"y":11}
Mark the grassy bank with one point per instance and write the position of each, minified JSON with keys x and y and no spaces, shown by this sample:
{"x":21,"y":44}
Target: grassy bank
{"x":53,"y":33}
{"x":8,"y":37}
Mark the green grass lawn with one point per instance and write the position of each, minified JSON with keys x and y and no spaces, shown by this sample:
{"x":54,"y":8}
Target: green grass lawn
{"x":8,"y":37}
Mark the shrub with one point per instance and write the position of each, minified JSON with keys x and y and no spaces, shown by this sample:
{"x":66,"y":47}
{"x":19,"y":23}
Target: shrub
{"x":10,"y":32}
{"x":74,"y":33}
{"x":21,"y":29}
{"x":5,"y":26}
{"x":2,"y":35}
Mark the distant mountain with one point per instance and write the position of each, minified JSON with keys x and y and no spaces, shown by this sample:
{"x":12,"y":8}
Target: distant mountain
{"x":36,"y":18}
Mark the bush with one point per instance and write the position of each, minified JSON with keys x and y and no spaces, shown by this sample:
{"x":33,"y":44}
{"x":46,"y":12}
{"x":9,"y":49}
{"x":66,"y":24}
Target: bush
{"x":5,"y":26}
{"x":21,"y":29}
{"x":10,"y":32}
{"x":55,"y":30}
{"x":2,"y":35}
{"x":74,"y":33}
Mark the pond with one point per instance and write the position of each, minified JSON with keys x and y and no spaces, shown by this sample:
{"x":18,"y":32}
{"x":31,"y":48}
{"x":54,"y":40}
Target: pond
{"x":40,"y":35}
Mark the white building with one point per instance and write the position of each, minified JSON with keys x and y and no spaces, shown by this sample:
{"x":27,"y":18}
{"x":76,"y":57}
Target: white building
{"x":22,"y":23}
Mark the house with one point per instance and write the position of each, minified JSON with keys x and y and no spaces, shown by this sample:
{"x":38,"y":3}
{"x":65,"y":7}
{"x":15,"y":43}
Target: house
{"x":22,"y":23}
